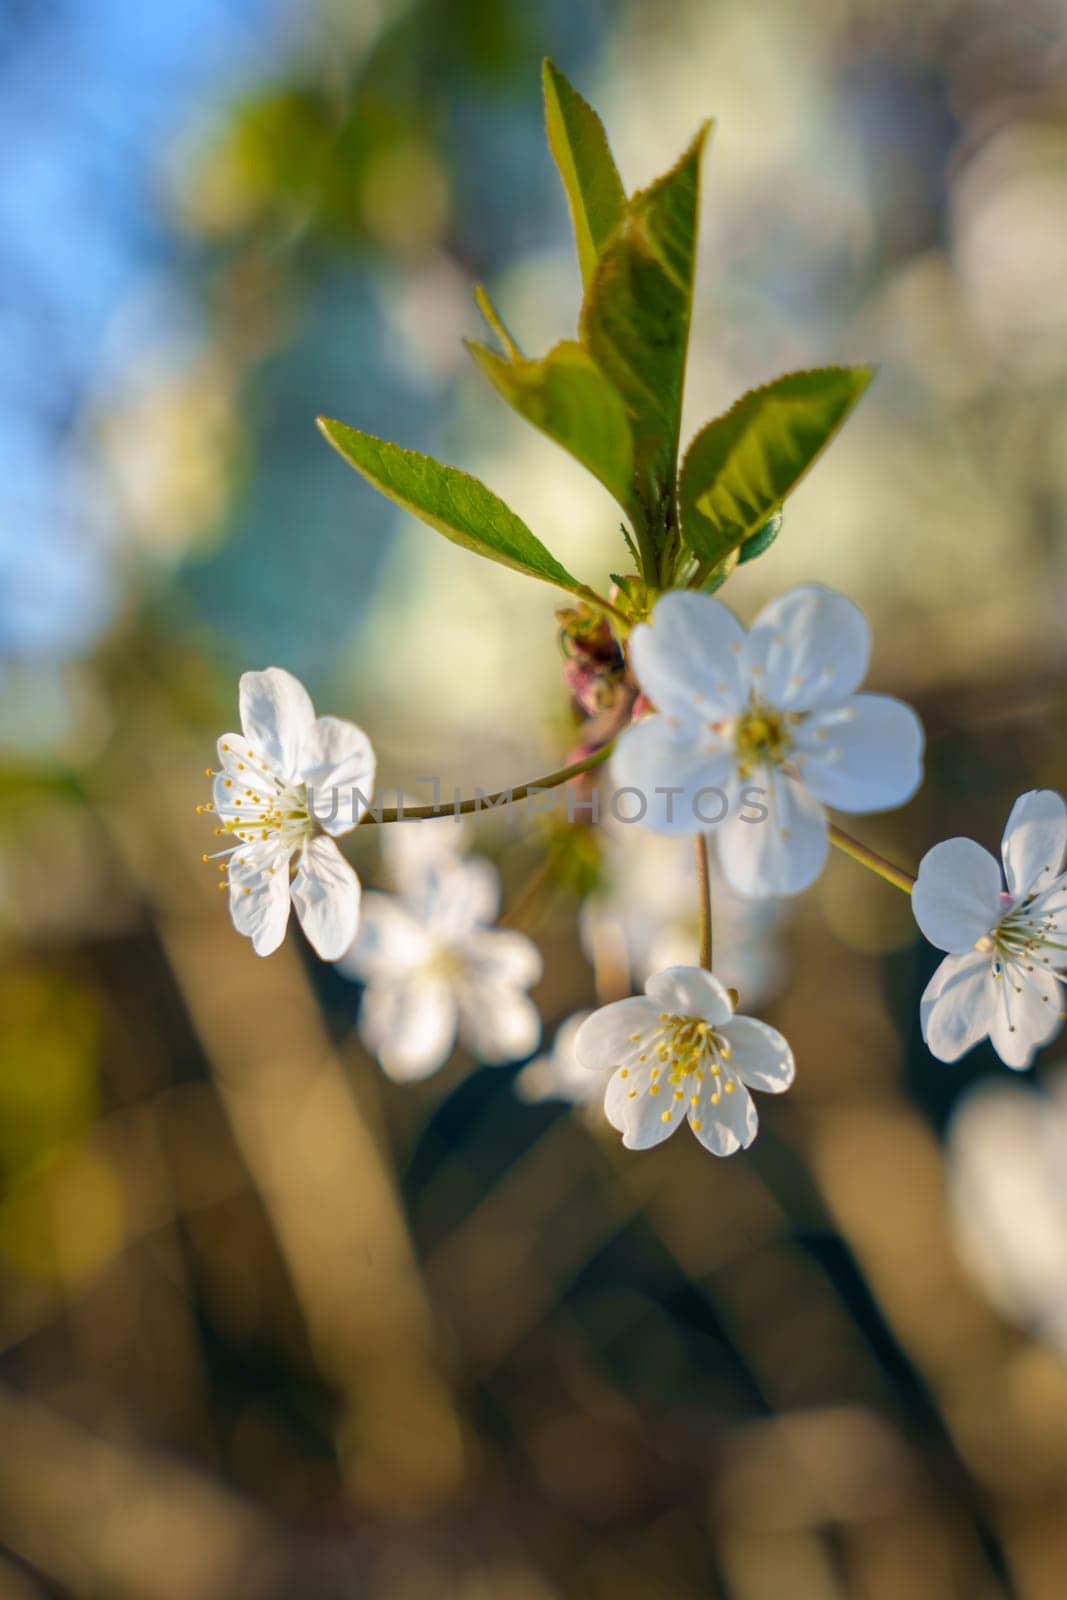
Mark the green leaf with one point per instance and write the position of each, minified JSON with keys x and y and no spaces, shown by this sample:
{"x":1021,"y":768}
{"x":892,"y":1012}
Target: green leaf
{"x":719,"y":574}
{"x":568,"y":397}
{"x":591,"y":180}
{"x":635,"y":319}
{"x":495,"y":321}
{"x":453,"y":502}
{"x":758,"y":542}
{"x":741,"y":466}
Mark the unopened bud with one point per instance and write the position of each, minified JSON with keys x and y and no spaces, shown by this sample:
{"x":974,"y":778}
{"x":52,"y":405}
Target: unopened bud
{"x":592,"y":687}
{"x":593,"y":664}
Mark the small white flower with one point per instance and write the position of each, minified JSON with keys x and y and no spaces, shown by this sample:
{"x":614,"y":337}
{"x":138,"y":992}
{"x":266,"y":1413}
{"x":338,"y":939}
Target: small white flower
{"x":434,"y":968}
{"x":559,"y":1075}
{"x":1007,"y":947}
{"x":772,"y":712}
{"x":291,"y":782}
{"x":680,"y":1052}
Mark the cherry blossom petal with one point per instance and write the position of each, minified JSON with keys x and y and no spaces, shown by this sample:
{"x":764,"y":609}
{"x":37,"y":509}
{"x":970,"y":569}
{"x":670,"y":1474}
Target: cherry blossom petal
{"x":456,"y":896}
{"x":236,"y":755}
{"x":246,"y":787}
{"x":1035,"y":840}
{"x":624,"y":1086}
{"x":1027,"y":1013}
{"x":415,"y":850}
{"x":637,"y":1093}
{"x":690,"y":992}
{"x":498,"y":1022}
{"x":276,"y":716}
{"x":1053,"y":900}
{"x":503,"y":955}
{"x":410,"y":1025}
{"x":603,"y":1039}
{"x":865,"y":755}
{"x":656,"y":754}
{"x":957,"y":1006}
{"x":727,"y":1126}
{"x":326,"y":894}
{"x":687,"y":660}
{"x":957,"y":897}
{"x":759,"y":1055}
{"x":390,"y":942}
{"x":226,"y":791}
{"x":1049,"y":908}
{"x":808,"y":648}
{"x":652,"y":1115}
{"x":338,"y":765}
{"x":782,"y":853}
{"x":259,"y":894}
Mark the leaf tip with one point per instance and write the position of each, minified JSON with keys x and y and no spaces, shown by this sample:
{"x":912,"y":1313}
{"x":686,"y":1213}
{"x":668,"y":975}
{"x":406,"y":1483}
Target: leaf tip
{"x":703,"y":134}
{"x":553,"y":85}
{"x":553,"y":79}
{"x":479,"y":353}
{"x":862,"y":374}
{"x":494,"y":322}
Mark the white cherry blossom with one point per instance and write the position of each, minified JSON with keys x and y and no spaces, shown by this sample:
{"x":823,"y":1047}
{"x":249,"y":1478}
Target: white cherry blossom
{"x":679,"y":1053}
{"x":755,"y":732}
{"x":1007,"y":945}
{"x":434,"y":967}
{"x":290,"y":783}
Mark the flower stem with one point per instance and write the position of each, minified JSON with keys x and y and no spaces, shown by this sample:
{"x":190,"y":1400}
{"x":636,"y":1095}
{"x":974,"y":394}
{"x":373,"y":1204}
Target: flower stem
{"x":700,"y":846}
{"x":872,"y":860}
{"x":483,"y":802}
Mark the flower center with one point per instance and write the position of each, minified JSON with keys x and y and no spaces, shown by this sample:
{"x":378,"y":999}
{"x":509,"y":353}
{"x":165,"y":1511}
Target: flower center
{"x":761,"y":734}
{"x":253,"y":804}
{"x":269,"y":809}
{"x":1028,"y":932}
{"x":680,"y":1053}
{"x":688,"y":1045}
{"x":445,"y":964}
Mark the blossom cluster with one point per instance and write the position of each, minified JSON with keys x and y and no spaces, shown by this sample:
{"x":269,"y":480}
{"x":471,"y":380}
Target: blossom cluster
{"x":742,"y":737}
{"x":697,"y":704}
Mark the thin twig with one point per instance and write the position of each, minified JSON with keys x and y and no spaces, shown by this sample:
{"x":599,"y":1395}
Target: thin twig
{"x":484,"y":802}
{"x":872,"y":860}
{"x":700,"y":845}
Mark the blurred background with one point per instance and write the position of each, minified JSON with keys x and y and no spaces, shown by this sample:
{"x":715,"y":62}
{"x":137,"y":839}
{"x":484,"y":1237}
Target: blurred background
{"x":271,"y":1325}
